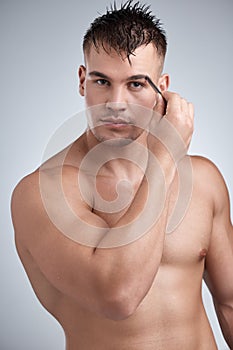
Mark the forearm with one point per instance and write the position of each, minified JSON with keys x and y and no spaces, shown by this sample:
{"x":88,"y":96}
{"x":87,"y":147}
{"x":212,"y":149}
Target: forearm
{"x":147,"y":205}
{"x":225,"y":317}
{"x":131,"y":268}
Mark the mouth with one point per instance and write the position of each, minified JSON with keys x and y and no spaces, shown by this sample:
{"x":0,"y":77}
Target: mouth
{"x":115,"y":122}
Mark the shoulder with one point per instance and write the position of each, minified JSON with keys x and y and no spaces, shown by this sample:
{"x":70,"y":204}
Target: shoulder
{"x":25,"y":194}
{"x":210,"y":181}
{"x":27,"y":187}
{"x":203,"y":164}
{"x":206,"y":170}
{"x":29,"y":191}
{"x":25,"y":201}
{"x":47,"y":197}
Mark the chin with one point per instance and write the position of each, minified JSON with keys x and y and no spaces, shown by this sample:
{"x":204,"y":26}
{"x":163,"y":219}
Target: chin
{"x":114,"y":141}
{"x":120,"y":140}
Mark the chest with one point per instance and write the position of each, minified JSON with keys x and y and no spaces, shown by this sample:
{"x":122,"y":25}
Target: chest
{"x":188,"y":243}
{"x":188,"y":239}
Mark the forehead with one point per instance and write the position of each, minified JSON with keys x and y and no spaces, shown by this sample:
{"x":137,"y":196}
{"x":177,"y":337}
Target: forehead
{"x":145,"y":60}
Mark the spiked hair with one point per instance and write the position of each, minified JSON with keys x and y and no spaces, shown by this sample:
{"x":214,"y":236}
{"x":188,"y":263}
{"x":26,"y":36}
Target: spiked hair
{"x":125,"y":29}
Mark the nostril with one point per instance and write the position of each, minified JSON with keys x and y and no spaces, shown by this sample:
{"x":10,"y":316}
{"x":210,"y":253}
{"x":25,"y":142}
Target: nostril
{"x":116,"y":106}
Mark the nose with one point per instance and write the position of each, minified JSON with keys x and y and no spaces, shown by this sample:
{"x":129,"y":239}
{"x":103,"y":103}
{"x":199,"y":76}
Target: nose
{"x":116,"y":107}
{"x":116,"y":100}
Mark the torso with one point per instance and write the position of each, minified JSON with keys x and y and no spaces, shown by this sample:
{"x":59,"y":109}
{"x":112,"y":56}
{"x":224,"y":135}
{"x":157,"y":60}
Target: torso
{"x":172,"y":314}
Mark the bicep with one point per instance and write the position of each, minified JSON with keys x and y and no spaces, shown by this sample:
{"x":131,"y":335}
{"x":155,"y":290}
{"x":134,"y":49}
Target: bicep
{"x":219,"y":261}
{"x":65,"y":262}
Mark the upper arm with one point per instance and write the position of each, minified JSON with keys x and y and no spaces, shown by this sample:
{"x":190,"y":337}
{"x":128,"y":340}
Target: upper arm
{"x":68,"y":265}
{"x":219,"y":260}
{"x":50,"y":220}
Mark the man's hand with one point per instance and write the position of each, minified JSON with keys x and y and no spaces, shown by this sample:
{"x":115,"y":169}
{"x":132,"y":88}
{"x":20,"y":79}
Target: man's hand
{"x":181,"y":114}
{"x":172,"y":125}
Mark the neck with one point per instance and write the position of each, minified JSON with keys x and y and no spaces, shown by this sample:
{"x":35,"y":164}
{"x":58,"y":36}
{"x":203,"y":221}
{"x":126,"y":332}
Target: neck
{"x":114,"y":159}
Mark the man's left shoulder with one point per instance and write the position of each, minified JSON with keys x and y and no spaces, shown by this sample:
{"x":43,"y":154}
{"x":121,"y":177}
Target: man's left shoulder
{"x":203,"y":166}
{"x":201,"y":160}
{"x":207,"y":175}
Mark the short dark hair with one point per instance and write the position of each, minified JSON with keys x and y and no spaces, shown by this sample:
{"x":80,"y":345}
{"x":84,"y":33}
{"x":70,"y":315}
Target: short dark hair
{"x":125,"y":29}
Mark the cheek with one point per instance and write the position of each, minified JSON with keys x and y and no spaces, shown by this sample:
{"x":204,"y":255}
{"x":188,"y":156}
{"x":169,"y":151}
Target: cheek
{"x":147,"y":100}
{"x":93,"y":96}
{"x":92,"y":102}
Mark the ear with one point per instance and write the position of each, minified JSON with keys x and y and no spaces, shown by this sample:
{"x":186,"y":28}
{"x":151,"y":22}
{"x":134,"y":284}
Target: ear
{"x":82,"y":78}
{"x":164,"y":82}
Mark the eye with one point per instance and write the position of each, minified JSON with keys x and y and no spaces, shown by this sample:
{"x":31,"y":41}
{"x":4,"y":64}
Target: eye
{"x":102,"y":82}
{"x":136,"y":85}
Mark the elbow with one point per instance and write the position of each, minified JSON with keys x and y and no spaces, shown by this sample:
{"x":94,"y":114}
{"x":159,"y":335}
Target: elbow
{"x":120,"y":305}
{"x":226,"y":305}
{"x":225,"y":317}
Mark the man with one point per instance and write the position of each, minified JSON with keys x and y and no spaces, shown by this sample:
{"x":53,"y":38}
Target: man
{"x":91,"y":225}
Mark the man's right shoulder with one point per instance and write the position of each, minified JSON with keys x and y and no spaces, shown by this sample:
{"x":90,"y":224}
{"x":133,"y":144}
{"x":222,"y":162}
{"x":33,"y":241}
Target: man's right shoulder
{"x":25,"y":201}
{"x":26,"y":193}
{"x":43,"y":193}
{"x":27,"y":187}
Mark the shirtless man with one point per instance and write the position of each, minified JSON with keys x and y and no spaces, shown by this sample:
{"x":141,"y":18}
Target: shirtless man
{"x":128,"y":286}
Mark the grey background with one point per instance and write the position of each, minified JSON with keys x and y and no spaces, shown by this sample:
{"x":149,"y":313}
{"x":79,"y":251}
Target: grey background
{"x":40,"y":54}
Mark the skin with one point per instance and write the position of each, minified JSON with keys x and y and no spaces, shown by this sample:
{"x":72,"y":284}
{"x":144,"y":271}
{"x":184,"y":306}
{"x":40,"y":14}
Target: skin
{"x":146,"y":294}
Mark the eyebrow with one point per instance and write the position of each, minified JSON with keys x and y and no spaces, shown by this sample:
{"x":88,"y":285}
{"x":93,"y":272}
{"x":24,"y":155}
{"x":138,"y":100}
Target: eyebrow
{"x":98,"y":74}
{"x":156,"y":89}
{"x":104,"y":76}
{"x":132,"y":77}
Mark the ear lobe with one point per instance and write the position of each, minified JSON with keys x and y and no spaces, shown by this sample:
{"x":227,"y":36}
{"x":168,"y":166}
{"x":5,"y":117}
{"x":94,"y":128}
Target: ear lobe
{"x":82,"y":78}
{"x":164,"y":82}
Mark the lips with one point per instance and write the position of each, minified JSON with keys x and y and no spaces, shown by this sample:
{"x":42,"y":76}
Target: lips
{"x":119,"y":124}
{"x":115,"y":121}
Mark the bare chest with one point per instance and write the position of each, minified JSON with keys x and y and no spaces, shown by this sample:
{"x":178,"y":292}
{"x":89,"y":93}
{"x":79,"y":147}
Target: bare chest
{"x":188,"y":241}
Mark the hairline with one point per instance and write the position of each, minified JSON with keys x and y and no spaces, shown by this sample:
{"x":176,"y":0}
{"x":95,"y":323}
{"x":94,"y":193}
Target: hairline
{"x":87,"y":50}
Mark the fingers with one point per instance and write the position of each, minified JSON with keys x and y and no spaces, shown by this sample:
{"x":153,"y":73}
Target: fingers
{"x":178,"y":106}
{"x":180,"y":113}
{"x":160,"y":107}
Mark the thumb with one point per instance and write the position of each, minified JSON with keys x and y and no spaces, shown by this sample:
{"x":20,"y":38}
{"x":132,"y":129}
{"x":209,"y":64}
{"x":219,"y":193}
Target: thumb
{"x":160,"y":107}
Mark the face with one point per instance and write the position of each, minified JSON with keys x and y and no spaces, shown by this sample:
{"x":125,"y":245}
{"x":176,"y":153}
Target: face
{"x":119,"y":100}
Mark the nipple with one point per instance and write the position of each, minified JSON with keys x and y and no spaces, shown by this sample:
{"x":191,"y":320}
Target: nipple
{"x":203,"y":253}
